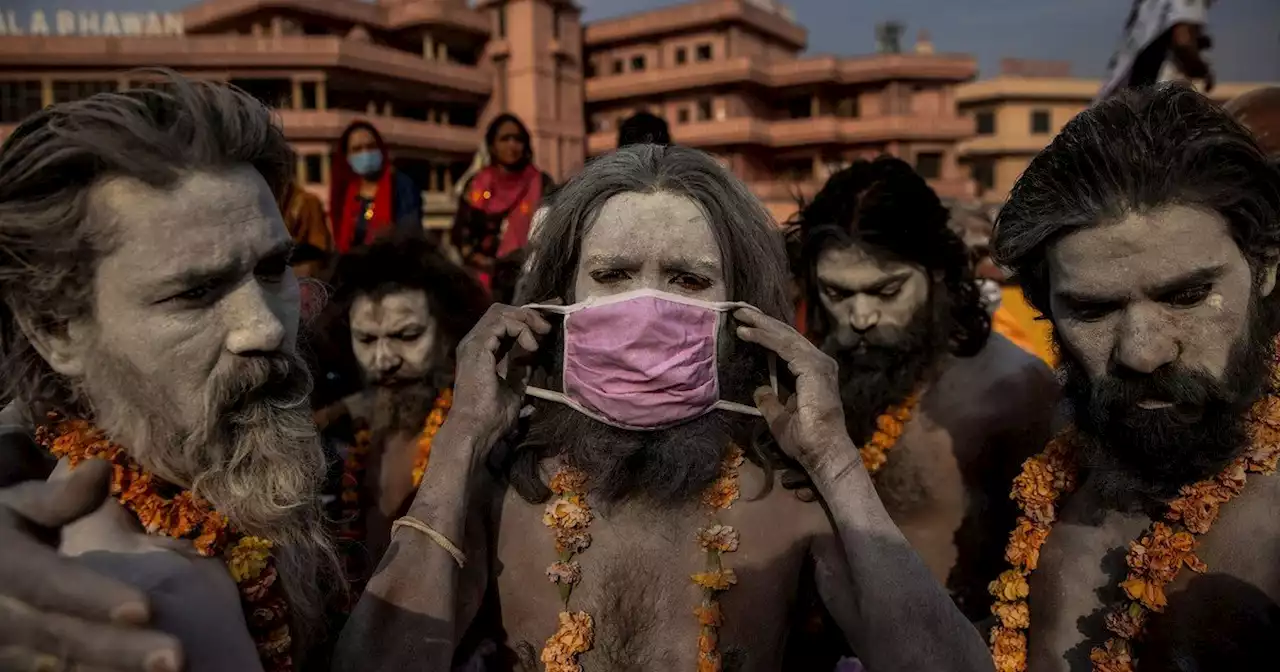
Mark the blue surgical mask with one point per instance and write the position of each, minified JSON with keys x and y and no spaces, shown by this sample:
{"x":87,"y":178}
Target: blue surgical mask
{"x":366,"y":163}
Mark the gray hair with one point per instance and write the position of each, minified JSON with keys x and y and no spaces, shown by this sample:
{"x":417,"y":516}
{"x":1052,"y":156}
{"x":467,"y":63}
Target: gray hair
{"x":751,"y":245}
{"x":49,"y":164}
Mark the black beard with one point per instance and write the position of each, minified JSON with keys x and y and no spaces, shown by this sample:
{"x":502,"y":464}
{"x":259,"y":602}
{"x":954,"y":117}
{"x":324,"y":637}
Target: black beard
{"x":1139,"y":454}
{"x":880,"y":376}
{"x":666,"y":467}
{"x":401,"y":408}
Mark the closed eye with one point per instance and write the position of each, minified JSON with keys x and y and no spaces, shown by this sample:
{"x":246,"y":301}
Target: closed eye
{"x":1188,"y":297}
{"x":691,"y":282}
{"x":1090,"y":312}
{"x":196,"y":295}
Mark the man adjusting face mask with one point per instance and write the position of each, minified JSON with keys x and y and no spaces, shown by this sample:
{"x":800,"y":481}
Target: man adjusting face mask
{"x":642,"y":360}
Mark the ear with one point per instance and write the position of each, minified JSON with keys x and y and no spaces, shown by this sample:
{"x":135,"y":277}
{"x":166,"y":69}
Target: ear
{"x":1269,"y":267}
{"x":61,"y":345}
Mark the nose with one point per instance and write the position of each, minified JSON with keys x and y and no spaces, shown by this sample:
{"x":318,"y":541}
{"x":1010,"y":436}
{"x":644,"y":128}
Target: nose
{"x":254,"y":325}
{"x":1144,"y":342}
{"x":385,"y":362}
{"x":863,"y":314}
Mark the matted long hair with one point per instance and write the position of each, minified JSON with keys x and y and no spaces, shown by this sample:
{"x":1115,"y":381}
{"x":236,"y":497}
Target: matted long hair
{"x":47,"y":167}
{"x":887,"y":205}
{"x":751,"y":247}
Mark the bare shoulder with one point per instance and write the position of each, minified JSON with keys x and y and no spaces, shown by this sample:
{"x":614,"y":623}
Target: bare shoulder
{"x":1002,"y":376}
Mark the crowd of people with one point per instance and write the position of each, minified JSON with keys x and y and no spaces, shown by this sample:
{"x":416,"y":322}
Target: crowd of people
{"x":244,"y":434}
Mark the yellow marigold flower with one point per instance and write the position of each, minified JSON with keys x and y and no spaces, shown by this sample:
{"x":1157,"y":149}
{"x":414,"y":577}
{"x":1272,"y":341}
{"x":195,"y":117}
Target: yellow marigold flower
{"x":1113,"y":657}
{"x":248,"y":558}
{"x":717,"y":580}
{"x":566,"y":514}
{"x":722,"y":493}
{"x":568,"y":480}
{"x":1014,"y":615}
{"x":574,"y":637}
{"x":1010,"y":586}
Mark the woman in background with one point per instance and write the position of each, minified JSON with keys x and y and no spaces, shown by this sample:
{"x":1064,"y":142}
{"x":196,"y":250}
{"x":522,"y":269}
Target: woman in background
{"x":368,"y":197}
{"x":498,"y":198}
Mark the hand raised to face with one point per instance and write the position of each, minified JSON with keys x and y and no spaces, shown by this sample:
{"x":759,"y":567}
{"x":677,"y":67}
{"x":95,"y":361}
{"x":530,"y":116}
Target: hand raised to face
{"x":56,"y":613}
{"x":810,"y":425}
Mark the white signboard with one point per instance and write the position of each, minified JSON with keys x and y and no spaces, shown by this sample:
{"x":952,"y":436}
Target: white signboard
{"x":64,"y":22}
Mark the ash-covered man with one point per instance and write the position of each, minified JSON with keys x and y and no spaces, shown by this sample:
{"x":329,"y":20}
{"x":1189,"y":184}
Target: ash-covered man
{"x":634,"y":523}
{"x":1148,"y":231}
{"x":148,"y":304}
{"x":942,"y":410}
{"x":406,"y":307}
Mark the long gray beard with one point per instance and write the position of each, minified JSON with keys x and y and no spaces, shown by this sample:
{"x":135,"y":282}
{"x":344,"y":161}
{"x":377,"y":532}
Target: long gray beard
{"x":401,"y":409}
{"x":255,"y":456}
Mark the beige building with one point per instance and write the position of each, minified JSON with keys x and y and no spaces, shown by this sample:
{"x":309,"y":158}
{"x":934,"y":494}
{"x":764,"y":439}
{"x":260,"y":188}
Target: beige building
{"x":1017,"y":114}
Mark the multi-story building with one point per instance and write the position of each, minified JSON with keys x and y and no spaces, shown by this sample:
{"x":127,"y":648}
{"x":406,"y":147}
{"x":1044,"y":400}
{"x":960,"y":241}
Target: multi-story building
{"x":428,"y":73}
{"x":728,"y":77}
{"x":1017,"y":113}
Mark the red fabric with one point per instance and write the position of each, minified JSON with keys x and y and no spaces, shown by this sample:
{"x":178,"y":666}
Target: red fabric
{"x":497,"y":191}
{"x":344,"y":200}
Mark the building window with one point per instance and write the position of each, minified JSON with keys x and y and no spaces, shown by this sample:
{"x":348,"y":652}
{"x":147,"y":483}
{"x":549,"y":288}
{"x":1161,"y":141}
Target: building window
{"x":313,"y":167}
{"x":795,"y":170}
{"x":502,"y":21}
{"x":68,"y":91}
{"x":984,"y":174}
{"x":19,"y":100}
{"x":309,"y":98}
{"x":1040,"y":122}
{"x":637,"y":64}
{"x":555,"y":23}
{"x":590,"y":69}
{"x":704,"y":109}
{"x":800,"y":107}
{"x":618,"y":66}
{"x":986,"y":122}
{"x":848,"y":108}
{"x":704,"y":52}
{"x":682,"y":115}
{"x":929,"y":165}
{"x":682,"y":55}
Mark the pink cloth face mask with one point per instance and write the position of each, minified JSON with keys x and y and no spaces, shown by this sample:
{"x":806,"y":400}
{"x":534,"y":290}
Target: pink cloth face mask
{"x":642,"y":360}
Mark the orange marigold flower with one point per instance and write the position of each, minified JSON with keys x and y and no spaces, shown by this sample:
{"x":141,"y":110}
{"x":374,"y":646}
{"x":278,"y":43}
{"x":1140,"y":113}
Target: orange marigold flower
{"x":566,"y":514}
{"x":720,"y":538}
{"x":709,"y":615}
{"x":1113,"y":657}
{"x":573,"y":638}
{"x":873,"y":458}
{"x":722,"y":493}
{"x":716,"y":579}
{"x":1008,"y":649}
{"x":567,"y":480}
{"x":1149,"y":593}
{"x":1035,"y":491}
{"x":709,"y":663}
{"x":1264,"y":456}
{"x":1025,"y":543}
{"x":1010,"y":586}
{"x":706,"y":642}
{"x":1013,"y":615}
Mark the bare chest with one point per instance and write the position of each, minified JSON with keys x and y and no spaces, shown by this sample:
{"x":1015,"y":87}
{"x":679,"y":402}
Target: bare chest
{"x":1211,"y":618}
{"x":637,"y":586}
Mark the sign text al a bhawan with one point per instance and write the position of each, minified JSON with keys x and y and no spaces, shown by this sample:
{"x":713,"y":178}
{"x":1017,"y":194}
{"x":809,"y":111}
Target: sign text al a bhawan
{"x":65,"y":22}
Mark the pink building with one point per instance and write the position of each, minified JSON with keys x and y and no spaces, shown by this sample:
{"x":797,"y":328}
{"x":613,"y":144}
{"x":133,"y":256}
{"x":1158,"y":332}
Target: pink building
{"x":728,"y":77}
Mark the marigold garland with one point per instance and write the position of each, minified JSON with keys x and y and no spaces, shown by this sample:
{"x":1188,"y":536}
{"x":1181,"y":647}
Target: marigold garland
{"x":1154,"y":560}
{"x":889,"y":428}
{"x":351,"y":530}
{"x":568,"y":517}
{"x":185,"y":516}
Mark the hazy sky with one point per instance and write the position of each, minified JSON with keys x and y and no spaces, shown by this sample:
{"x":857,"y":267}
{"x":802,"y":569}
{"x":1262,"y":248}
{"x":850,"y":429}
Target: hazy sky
{"x":1246,"y":32}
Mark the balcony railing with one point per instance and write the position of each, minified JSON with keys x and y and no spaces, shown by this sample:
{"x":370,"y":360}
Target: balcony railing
{"x":327,"y":125}
{"x":802,"y":132}
{"x":241,"y":52}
